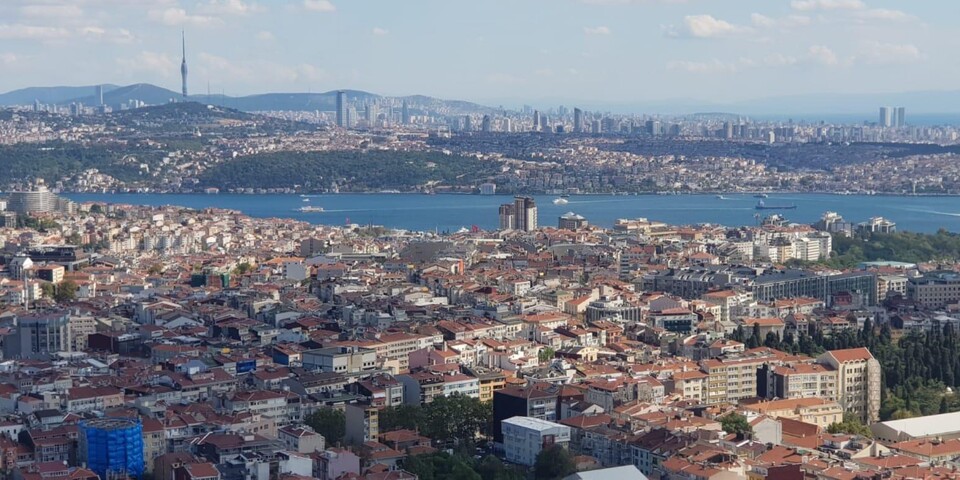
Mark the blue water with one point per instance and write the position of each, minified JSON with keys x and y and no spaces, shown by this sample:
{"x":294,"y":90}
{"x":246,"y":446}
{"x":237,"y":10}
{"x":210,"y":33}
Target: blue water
{"x":451,"y":212}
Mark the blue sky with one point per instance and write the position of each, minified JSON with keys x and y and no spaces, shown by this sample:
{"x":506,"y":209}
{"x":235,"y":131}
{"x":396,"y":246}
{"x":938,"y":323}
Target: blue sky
{"x":492,"y":51}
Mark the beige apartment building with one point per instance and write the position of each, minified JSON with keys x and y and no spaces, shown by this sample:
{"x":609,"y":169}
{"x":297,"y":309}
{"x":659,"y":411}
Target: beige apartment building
{"x":858,"y":381}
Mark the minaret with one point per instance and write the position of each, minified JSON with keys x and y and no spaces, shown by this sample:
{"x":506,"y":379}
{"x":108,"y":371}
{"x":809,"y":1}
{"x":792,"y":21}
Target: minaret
{"x":183,"y":64}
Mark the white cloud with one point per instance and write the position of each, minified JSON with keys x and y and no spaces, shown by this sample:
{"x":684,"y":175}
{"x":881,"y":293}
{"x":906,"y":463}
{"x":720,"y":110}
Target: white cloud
{"x":319,"y":5}
{"x":32,"y":32}
{"x":178,"y":17}
{"x":822,"y":55}
{"x":790,"y":21}
{"x":885,"y":14}
{"x":876,"y":53}
{"x":811,"y":5}
{"x":256,"y":71}
{"x":601,"y":30}
{"x":51,"y":11}
{"x":717,"y":66}
{"x":778,"y":60}
{"x":712,"y":66}
{"x":265,"y":36}
{"x":119,"y":35}
{"x":8,"y":58}
{"x":628,"y":2}
{"x":704,"y":26}
{"x":149,"y":62}
{"x":229,"y":7}
{"x":380,"y":31}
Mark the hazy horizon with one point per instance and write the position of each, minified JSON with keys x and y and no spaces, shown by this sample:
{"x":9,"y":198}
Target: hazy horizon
{"x":589,"y":51}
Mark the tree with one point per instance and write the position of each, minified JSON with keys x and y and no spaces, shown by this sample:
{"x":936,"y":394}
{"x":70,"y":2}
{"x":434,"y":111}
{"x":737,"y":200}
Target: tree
{"x":754,"y":340}
{"x":66,"y":291}
{"x":330,"y":423}
{"x":546,"y":354}
{"x":46,"y":290}
{"x":74,"y":239}
{"x":400,"y":417}
{"x":851,"y":426}
{"x":736,"y":423}
{"x":96,"y":208}
{"x":456,"y":419}
{"x":491,"y":468}
{"x":155,"y":269}
{"x":554,"y":462}
{"x":243,"y":268}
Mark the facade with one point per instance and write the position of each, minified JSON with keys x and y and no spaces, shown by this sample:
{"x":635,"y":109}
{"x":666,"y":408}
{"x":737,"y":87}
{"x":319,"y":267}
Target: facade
{"x":935,"y":290}
{"x":342,"y":109}
{"x":571,"y":221}
{"x":519,"y":215}
{"x":363,"y":423}
{"x":858,"y":381}
{"x":38,"y":200}
{"x":803,"y":380}
{"x":525,"y":437}
{"x":340,"y":359}
{"x":766,"y":285}
{"x":535,"y":401}
{"x":39,"y":334}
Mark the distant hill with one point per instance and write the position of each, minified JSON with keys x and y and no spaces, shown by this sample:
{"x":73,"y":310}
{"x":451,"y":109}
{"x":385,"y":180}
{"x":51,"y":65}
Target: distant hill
{"x":115,"y":95}
{"x":26,"y":96}
{"x":325,"y":101}
{"x":145,"y":92}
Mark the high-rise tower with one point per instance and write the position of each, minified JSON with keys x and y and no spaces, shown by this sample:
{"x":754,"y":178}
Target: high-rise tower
{"x":342,"y":109}
{"x":183,"y":64}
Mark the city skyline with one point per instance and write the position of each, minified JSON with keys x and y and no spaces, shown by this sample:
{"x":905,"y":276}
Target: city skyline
{"x":569,"y":51}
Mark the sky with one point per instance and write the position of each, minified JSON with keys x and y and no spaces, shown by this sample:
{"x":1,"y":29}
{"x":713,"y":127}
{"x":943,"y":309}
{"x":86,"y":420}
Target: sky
{"x":490,"y":51}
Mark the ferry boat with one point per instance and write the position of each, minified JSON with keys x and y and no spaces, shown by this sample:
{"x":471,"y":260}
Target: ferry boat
{"x":761,"y":195}
{"x":310,"y":209}
{"x":560,"y":201}
{"x":763,"y":206}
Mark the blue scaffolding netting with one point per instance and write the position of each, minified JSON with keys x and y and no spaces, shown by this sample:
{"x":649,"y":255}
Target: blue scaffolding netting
{"x":112,"y":446}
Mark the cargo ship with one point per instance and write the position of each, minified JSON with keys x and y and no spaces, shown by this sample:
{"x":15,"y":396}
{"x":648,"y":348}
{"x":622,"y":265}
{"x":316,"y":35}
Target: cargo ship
{"x":764,"y":206}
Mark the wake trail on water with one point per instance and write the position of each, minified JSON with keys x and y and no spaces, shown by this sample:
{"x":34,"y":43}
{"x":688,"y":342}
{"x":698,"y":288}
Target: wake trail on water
{"x":932,"y":212}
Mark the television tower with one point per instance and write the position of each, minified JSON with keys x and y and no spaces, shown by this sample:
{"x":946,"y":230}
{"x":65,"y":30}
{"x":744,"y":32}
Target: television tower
{"x":183,"y":64}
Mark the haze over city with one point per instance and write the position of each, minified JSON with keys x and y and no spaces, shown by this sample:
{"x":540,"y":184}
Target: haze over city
{"x":487,"y":240}
{"x":603,"y":53}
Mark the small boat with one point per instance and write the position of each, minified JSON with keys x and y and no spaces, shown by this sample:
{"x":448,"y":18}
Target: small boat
{"x":721,"y":197}
{"x":763,"y":206}
{"x":309,"y":209}
{"x":560,"y":201}
{"x":760,"y":195}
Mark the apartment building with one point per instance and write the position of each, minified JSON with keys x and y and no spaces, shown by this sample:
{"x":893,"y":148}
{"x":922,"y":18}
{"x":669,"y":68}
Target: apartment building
{"x":858,"y":381}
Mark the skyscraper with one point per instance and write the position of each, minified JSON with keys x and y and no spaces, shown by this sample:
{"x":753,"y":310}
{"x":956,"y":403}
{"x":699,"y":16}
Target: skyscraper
{"x":536,"y":121}
{"x":98,"y":92}
{"x":341,"y":109}
{"x":405,"y":113}
{"x":901,"y":117}
{"x":183,"y":64}
{"x":487,"y":124}
{"x":371,"y":112}
{"x":525,"y":211}
{"x":886,"y":117}
{"x":577,"y":120}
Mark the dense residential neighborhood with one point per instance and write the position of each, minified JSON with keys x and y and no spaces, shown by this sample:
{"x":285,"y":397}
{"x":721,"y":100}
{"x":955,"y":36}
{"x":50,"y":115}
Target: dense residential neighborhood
{"x":225,"y":346}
